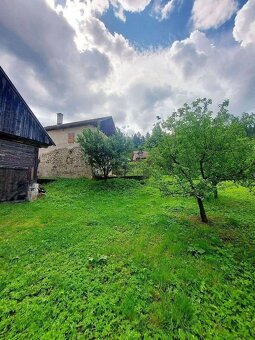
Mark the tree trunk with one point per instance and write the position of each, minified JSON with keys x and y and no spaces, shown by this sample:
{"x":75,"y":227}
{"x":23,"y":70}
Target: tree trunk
{"x":105,"y":174}
{"x":202,"y":210}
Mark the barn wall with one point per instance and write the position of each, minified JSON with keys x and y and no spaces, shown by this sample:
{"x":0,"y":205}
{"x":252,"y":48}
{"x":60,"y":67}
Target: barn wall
{"x":14,"y":184}
{"x":18,"y":169}
{"x":13,"y":154}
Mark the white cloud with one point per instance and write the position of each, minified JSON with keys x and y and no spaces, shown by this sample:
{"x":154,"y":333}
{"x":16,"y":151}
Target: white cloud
{"x":244,"y":29}
{"x":45,"y":49}
{"x":119,"y":12}
{"x":102,"y":74}
{"x":162,"y":11}
{"x":120,"y":6}
{"x":212,"y":13}
{"x":132,"y":5}
{"x":75,"y":10}
{"x":90,"y":31}
{"x":50,"y":3}
{"x":156,"y":83}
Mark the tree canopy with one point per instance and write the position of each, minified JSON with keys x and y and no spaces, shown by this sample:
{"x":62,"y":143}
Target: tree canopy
{"x":248,"y":122}
{"x":200,"y":150}
{"x":154,"y":138}
{"x":138,"y":141}
{"x":105,"y":154}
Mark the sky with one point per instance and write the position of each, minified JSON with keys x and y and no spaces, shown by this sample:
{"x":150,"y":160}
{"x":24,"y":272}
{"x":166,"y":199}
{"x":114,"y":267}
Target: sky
{"x":131,"y":59}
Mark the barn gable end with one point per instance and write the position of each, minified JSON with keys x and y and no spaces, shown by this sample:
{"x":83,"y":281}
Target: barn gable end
{"x":16,"y":118}
{"x":21,"y":136}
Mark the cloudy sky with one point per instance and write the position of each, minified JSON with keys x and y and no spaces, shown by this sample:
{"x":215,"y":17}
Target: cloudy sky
{"x":132,"y":59}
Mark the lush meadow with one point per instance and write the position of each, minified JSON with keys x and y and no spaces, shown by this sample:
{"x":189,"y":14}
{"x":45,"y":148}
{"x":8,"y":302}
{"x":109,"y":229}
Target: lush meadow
{"x":115,"y":259}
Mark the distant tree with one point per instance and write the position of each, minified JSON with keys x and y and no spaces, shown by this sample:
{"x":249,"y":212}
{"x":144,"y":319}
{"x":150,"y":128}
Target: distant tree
{"x":156,"y":135}
{"x":121,"y":146}
{"x":147,"y":137}
{"x":199,"y":151}
{"x":138,"y":140}
{"x":105,"y":154}
{"x":248,"y":122}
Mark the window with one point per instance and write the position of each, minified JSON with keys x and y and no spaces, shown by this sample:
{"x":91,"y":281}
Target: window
{"x":71,"y":136}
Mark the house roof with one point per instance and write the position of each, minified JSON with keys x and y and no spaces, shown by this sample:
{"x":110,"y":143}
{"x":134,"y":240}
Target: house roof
{"x":17,"y":121}
{"x":139,"y":155}
{"x":105,"y":124}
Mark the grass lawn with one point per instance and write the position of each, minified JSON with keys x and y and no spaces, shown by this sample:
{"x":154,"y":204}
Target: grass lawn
{"x":116,"y":260}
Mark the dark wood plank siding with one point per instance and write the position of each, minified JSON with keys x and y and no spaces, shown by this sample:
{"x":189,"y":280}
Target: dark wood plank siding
{"x":13,"y":184}
{"x":18,"y":169}
{"x":16,"y":118}
{"x":17,"y":155}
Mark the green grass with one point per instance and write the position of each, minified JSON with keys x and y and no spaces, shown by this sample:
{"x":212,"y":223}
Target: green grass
{"x":116,"y":260}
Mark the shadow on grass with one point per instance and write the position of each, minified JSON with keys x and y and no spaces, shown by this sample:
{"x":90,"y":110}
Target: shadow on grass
{"x":117,"y":185}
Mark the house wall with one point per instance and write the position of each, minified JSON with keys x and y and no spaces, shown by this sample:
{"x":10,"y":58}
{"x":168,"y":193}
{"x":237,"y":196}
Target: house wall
{"x":65,"y":159}
{"x":18,"y":169}
{"x":60,"y":137}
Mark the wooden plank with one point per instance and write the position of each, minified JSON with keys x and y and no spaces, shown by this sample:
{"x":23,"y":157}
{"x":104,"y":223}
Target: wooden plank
{"x":13,"y":184}
{"x":13,"y":154}
{"x":18,"y":168}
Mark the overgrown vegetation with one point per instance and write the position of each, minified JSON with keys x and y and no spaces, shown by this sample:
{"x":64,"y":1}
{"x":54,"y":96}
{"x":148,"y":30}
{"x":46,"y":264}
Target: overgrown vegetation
{"x":116,"y":260}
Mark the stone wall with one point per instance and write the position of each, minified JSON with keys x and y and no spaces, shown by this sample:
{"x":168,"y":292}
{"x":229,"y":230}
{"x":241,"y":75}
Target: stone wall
{"x":65,"y":162}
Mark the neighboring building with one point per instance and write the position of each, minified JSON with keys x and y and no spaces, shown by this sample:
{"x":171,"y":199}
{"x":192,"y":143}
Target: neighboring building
{"x":21,"y":135}
{"x":66,"y":159}
{"x":139,"y":155}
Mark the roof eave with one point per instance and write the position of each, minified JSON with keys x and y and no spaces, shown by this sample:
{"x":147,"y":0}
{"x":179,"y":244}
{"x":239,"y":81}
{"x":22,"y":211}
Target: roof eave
{"x":19,"y":139}
{"x":95,"y":122}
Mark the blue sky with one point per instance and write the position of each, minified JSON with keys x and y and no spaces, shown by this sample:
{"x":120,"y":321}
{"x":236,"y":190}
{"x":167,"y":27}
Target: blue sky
{"x":145,"y":31}
{"x":132,"y":59}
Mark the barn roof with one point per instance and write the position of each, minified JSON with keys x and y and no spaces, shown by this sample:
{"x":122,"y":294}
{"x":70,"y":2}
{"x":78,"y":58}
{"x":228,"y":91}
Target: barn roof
{"x":16,"y":118}
{"x":105,"y":124}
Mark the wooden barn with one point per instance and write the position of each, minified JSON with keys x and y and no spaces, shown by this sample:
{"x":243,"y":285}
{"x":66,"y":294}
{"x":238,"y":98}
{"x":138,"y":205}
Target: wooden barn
{"x":21,"y":136}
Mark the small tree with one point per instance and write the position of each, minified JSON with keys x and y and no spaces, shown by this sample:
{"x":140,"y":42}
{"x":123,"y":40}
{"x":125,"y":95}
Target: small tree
{"x":200,"y":151}
{"x":104,"y":154}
